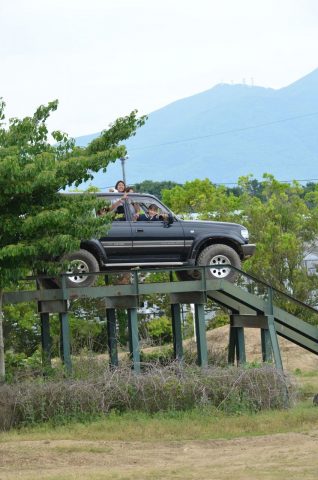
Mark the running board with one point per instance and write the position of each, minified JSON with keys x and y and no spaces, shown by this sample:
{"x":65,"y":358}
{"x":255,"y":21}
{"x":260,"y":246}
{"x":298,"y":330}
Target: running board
{"x":144,"y":264}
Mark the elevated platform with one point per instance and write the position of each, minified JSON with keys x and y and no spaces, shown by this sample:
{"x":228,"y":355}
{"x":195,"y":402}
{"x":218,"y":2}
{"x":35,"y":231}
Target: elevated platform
{"x":251,"y":304}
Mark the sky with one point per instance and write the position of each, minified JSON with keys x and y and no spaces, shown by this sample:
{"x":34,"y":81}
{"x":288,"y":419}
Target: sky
{"x":103,"y":58}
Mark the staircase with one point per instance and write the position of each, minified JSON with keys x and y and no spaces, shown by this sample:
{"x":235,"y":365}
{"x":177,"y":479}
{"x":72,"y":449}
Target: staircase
{"x":255,"y":304}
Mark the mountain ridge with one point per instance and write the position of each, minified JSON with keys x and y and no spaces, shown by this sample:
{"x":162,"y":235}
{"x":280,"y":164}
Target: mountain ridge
{"x":223,"y":133}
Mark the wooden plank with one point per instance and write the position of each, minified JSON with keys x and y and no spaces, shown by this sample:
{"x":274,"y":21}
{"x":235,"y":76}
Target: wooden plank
{"x":250,"y":321}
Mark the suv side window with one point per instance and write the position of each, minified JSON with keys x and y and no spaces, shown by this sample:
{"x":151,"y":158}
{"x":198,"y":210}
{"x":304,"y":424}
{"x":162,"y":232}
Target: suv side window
{"x":117,"y":209}
{"x":141,"y":206}
{"x":119,"y":214}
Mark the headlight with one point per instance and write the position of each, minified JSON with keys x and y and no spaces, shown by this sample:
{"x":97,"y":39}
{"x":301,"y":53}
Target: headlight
{"x":244,"y":233}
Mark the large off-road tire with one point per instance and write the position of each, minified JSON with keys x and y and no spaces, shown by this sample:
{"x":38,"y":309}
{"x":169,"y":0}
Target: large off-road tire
{"x":80,"y":263}
{"x":219,"y":254}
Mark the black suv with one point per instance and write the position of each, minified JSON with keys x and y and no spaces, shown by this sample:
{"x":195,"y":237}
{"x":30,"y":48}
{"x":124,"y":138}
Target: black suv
{"x":136,"y":241}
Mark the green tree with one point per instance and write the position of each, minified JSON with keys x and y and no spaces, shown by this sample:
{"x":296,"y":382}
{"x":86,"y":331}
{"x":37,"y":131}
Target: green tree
{"x":255,"y":189}
{"x":284,"y":229}
{"x":160,"y":330}
{"x":21,"y":328}
{"x":201,"y":197}
{"x":38,"y":224}
{"x":154,"y":188}
{"x":282,"y":221}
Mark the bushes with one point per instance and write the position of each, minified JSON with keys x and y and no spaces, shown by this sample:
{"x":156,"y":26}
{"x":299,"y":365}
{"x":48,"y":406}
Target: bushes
{"x":161,"y":356}
{"x":164,"y":355}
{"x":157,"y":389}
{"x":19,"y":366}
{"x":160,"y":330}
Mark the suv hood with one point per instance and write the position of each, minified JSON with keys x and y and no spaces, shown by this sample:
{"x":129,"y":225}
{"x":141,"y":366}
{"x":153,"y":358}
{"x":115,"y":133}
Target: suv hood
{"x":210,"y":223}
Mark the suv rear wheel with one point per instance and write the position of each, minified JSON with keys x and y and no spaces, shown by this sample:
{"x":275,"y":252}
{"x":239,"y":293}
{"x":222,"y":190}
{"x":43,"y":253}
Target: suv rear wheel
{"x":218,"y":256}
{"x":80,"y":263}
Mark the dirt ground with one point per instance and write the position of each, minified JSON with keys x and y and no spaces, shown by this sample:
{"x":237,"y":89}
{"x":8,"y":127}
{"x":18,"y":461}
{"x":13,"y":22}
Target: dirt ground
{"x":282,"y":456}
{"x":293,"y":357}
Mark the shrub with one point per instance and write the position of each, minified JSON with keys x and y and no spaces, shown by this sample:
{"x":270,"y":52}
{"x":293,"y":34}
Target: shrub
{"x":160,"y":330}
{"x":174,"y":387}
{"x":164,"y":356}
{"x":19,"y":366}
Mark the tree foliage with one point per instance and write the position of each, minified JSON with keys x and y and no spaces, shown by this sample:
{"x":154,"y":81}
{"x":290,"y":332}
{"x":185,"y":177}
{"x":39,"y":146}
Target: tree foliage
{"x":284,"y":230}
{"x":38,"y":224}
{"x":154,"y":188}
{"x":282,"y":221}
{"x":201,"y":197}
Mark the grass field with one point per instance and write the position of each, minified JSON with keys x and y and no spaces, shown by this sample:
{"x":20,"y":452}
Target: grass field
{"x":200,"y":424}
{"x":205,"y":444}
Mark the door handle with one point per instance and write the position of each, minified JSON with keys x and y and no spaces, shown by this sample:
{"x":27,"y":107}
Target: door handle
{"x":139,"y":230}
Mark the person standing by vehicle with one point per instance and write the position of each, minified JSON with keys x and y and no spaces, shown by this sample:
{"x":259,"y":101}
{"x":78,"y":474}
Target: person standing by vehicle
{"x":119,"y":187}
{"x":117,"y":205}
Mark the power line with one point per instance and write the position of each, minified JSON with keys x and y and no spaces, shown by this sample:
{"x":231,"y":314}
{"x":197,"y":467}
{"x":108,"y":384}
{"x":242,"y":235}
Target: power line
{"x":226,"y":183}
{"x":281,"y":181}
{"x":225,"y":132}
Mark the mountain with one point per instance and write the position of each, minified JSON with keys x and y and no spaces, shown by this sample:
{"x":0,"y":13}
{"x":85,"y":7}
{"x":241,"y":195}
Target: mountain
{"x":226,"y":132}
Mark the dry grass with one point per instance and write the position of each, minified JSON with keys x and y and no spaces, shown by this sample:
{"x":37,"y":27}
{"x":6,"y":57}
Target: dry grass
{"x":191,"y":445}
{"x":293,"y":356}
{"x":172,"y":388}
{"x":198,"y":424}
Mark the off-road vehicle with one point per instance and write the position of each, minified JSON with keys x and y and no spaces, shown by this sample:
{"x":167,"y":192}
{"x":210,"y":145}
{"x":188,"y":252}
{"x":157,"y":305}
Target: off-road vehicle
{"x":167,"y":242}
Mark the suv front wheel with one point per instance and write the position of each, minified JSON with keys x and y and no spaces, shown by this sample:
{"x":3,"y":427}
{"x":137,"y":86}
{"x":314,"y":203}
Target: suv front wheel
{"x":218,"y":256}
{"x":80,"y":263}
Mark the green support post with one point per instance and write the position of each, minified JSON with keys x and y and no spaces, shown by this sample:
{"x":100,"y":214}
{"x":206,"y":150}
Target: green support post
{"x":274,"y":342}
{"x":266,"y":345}
{"x":272,"y":331}
{"x":112,"y":337}
{"x":45,"y":340}
{"x":133,"y":339}
{"x":177,"y":331}
{"x":240,"y":346}
{"x":65,"y":342}
{"x":201,"y":335}
{"x":232,"y":343}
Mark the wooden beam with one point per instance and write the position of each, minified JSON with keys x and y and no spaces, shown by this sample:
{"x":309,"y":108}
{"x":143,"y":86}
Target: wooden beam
{"x":250,"y":321}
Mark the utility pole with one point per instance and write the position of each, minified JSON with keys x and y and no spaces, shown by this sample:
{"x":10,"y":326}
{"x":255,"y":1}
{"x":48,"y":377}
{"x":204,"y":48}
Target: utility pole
{"x":123,"y":159}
